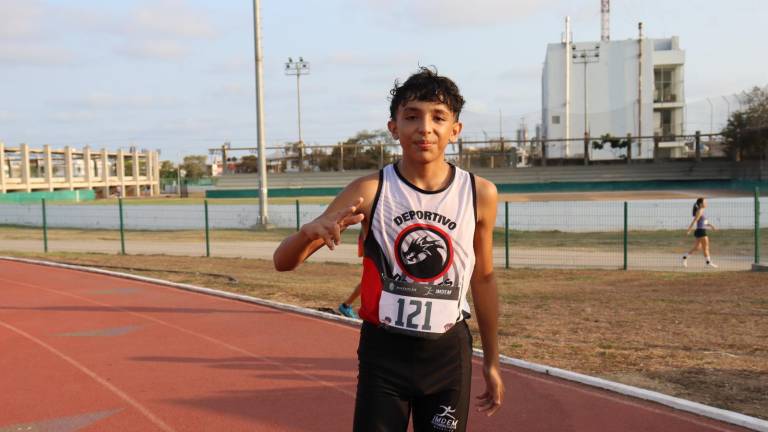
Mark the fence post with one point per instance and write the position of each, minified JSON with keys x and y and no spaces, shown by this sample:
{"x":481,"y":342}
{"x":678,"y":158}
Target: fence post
{"x":45,"y":229}
{"x":697,"y":147}
{"x":298,"y":217}
{"x":122,"y":226}
{"x":506,"y":234}
{"x":207,"y":232}
{"x":757,"y":225}
{"x":625,"y":235}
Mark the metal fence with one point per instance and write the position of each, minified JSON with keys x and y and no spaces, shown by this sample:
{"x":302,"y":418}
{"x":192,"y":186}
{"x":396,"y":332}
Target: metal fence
{"x":646,"y":235}
{"x":498,"y":152}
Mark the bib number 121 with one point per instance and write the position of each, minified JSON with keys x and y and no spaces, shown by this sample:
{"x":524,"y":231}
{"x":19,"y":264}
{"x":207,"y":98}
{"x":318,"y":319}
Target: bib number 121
{"x":413,"y":314}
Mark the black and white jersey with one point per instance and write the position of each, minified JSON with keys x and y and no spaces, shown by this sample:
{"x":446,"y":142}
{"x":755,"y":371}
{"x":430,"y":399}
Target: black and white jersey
{"x":419,"y":254}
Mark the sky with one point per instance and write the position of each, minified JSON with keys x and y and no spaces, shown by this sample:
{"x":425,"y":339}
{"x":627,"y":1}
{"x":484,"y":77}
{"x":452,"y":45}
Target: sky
{"x":178,"y":75}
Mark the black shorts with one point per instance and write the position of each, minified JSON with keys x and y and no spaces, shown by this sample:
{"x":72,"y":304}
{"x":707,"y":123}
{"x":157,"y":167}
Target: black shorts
{"x":400,"y":375}
{"x":700,"y":232}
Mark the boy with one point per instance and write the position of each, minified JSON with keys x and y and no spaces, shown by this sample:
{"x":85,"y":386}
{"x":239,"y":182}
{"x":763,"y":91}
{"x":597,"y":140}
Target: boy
{"x":429,"y":228}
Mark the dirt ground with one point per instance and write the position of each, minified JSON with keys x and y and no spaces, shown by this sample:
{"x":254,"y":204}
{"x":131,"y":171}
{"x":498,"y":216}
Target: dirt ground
{"x":700,"y":336}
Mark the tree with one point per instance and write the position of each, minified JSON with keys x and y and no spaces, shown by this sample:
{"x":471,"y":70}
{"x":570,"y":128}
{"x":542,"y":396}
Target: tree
{"x":167,"y":170}
{"x":195,"y":166}
{"x":248,"y":164}
{"x":362,"y":151}
{"x":746,"y":134}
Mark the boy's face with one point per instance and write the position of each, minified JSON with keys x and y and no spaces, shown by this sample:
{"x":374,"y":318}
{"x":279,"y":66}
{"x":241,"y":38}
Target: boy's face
{"x":424,"y":129}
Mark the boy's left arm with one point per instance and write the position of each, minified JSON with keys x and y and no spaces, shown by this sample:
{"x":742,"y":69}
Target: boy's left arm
{"x":485,"y":296}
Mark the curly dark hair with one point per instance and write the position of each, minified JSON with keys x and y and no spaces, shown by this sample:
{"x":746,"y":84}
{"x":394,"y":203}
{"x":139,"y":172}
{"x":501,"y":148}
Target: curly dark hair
{"x":426,"y":85}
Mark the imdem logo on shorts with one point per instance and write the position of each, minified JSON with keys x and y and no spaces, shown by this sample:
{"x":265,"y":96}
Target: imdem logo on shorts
{"x":424,"y":252}
{"x":445,"y":421}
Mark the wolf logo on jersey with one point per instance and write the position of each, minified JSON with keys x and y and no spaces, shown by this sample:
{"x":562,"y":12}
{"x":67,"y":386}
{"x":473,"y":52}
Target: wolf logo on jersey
{"x":424,"y":252}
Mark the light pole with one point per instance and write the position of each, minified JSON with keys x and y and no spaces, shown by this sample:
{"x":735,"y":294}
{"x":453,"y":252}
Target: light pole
{"x":298,"y":68}
{"x":710,"y":115}
{"x":586,"y":56}
{"x":259,"y":60}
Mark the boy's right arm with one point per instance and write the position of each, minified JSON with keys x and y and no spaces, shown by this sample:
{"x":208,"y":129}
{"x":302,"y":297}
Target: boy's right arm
{"x":350,"y":207}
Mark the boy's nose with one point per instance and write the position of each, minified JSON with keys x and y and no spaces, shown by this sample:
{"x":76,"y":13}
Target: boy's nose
{"x":424,"y":126}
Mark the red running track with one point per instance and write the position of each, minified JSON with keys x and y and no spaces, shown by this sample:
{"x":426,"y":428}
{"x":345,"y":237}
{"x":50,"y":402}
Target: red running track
{"x":89,"y":352}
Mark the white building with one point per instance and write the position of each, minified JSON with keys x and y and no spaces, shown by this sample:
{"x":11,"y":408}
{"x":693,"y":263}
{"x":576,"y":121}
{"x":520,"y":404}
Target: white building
{"x":603,"y":79}
{"x":25,"y":169}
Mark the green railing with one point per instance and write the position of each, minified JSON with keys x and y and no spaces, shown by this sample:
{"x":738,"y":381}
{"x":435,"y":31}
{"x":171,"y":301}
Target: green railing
{"x":632,"y":235}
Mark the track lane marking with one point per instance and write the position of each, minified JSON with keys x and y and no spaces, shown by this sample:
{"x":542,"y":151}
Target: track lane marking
{"x":119,"y":393}
{"x":196,"y":334}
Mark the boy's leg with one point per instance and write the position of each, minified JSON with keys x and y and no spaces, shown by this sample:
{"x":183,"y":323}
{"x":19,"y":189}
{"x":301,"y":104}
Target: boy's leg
{"x":378,"y":406}
{"x":445,"y":404}
{"x":353,"y":296}
{"x":383,"y":383}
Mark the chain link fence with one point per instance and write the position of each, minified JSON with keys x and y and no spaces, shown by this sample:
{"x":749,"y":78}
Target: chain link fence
{"x":638,"y":235}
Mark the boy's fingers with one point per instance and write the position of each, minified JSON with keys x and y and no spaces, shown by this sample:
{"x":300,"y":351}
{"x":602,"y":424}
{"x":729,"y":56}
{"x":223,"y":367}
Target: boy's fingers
{"x":336,"y":234}
{"x":352,"y":220}
{"x":328,"y":241}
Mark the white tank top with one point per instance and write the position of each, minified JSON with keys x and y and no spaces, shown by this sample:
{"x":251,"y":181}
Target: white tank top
{"x":419,"y":254}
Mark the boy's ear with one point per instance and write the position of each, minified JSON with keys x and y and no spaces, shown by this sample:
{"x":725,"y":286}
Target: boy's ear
{"x":392,"y":126}
{"x":456,"y":130}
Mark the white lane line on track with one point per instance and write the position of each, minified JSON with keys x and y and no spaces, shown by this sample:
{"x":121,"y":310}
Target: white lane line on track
{"x":196,"y":334}
{"x":119,"y":393}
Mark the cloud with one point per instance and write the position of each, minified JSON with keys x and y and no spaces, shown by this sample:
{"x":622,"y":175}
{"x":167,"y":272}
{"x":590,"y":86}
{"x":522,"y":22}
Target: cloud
{"x":456,"y":13}
{"x":386,"y":62}
{"x":6,"y":116}
{"x":73,"y":116}
{"x":34,"y":55}
{"x":238,"y":65}
{"x":109,"y":101}
{"x":169,"y":18}
{"x":20,"y":20}
{"x":527,"y":73}
{"x":153,"y":50}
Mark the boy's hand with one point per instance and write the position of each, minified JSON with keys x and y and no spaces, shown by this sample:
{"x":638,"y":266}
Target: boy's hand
{"x":329,"y":227}
{"x":491,"y":400}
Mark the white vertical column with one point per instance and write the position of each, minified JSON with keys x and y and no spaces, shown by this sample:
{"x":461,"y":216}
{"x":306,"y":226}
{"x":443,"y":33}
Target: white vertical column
{"x":25,"y":176}
{"x":156,"y":185}
{"x":105,"y":171}
{"x":48,"y":167}
{"x":121,"y":171}
{"x":2,"y":167}
{"x":150,"y":171}
{"x":136,"y":173}
{"x":68,"y":169}
{"x":87,"y":164}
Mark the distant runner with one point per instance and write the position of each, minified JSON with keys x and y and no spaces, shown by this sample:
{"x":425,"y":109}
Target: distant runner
{"x":702,"y":241}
